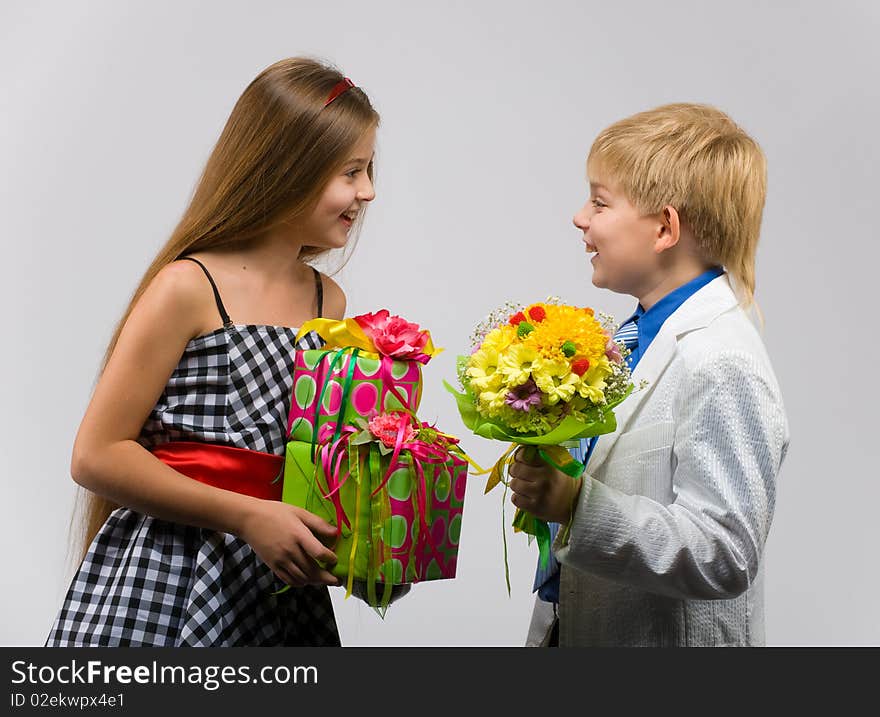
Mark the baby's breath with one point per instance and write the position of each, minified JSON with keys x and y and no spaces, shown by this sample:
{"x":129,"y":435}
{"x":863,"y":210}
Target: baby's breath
{"x":608,"y":323}
{"x":497,"y":317}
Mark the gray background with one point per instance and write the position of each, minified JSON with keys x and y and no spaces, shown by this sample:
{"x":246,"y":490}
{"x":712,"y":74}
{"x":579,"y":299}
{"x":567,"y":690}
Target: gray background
{"x":108,"y":111}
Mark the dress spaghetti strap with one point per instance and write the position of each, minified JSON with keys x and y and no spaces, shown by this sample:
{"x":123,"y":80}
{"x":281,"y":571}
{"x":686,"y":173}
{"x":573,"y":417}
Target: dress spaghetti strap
{"x":319,"y":289}
{"x":227,"y":322}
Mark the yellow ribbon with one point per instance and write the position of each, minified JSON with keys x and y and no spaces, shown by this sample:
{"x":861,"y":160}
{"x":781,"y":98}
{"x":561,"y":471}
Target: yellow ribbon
{"x":496,"y":471}
{"x":348,"y":333}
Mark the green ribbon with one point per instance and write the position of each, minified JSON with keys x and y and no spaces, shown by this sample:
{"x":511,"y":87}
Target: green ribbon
{"x":376,"y":546}
{"x":325,"y":384}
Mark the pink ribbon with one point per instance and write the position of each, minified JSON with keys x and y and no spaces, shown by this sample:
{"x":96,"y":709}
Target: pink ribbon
{"x":332,"y":455}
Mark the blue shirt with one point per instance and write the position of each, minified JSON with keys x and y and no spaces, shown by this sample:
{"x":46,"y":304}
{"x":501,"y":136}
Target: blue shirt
{"x":649,"y":323}
{"x":651,"y":320}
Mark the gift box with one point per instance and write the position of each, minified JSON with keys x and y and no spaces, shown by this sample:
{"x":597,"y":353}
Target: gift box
{"x":398,"y":513}
{"x":342,"y":385}
{"x":358,"y":457}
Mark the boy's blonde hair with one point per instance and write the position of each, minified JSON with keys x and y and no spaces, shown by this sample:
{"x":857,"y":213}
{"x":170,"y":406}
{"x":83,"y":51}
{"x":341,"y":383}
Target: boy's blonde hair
{"x":696,"y":159}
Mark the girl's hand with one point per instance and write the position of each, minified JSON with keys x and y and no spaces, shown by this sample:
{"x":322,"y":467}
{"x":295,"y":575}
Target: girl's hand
{"x":540,"y":489}
{"x":290,"y":540}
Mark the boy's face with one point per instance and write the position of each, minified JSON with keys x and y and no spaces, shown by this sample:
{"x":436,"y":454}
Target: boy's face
{"x":623,"y":242}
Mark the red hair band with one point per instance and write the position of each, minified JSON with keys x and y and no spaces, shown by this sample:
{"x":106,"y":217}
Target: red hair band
{"x":338,"y":89}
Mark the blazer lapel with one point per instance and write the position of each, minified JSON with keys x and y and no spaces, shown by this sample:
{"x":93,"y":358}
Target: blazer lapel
{"x":649,"y":369}
{"x":698,"y":311}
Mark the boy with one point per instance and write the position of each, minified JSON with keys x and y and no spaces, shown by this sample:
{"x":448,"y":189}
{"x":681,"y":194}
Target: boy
{"x":669,"y":523}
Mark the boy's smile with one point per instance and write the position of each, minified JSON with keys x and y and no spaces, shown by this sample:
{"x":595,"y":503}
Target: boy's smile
{"x":643,"y":255}
{"x":622,"y":240}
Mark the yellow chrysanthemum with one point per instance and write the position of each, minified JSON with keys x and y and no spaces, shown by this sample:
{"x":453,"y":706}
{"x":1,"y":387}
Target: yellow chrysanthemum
{"x":500,"y":338}
{"x":567,"y":323}
{"x":515,"y":364}
{"x":597,"y":373}
{"x":482,"y":370}
{"x":491,"y":402}
{"x":592,"y":384}
{"x":555,"y":379}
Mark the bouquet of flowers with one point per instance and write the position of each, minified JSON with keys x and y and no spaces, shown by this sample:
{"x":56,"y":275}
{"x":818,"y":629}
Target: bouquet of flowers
{"x":358,"y":456}
{"x":542,"y":375}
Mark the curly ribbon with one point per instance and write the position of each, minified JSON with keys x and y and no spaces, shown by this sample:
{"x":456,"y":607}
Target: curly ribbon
{"x":420,"y":454}
{"x":332,"y":453}
{"x":496,"y":473}
{"x":453,"y":445}
{"x":425,"y":536}
{"x":498,"y":470}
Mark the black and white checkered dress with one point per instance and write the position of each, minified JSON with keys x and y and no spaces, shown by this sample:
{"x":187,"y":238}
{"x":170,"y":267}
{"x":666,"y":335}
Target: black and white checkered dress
{"x":149,"y":582}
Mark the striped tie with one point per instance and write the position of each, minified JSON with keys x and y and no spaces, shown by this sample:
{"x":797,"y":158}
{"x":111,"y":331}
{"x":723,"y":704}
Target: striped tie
{"x":628,"y":334}
{"x":547,"y":579}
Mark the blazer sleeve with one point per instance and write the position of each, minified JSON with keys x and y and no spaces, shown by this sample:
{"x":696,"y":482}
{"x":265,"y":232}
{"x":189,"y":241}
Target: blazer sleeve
{"x":730,"y":439}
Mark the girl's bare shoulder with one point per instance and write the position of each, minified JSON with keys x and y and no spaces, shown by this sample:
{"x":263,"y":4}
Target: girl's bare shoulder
{"x":181,"y":292}
{"x":334,"y":298}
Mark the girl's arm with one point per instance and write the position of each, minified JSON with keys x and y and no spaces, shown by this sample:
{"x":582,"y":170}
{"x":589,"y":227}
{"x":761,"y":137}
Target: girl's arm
{"x":108,"y":460}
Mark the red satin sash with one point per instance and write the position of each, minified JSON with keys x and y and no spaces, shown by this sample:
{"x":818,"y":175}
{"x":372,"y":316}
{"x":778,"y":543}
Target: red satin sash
{"x":236,"y":469}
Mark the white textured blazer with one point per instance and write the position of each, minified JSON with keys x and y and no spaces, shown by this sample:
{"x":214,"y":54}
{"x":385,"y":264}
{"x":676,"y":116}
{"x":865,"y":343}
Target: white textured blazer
{"x":666,"y":540}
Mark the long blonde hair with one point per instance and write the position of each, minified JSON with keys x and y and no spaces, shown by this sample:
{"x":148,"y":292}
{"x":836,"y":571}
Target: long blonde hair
{"x":277,"y":152}
{"x":698,"y":160}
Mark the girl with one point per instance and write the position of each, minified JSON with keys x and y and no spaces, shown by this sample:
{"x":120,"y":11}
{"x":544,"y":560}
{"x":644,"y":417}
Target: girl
{"x":186,"y":425}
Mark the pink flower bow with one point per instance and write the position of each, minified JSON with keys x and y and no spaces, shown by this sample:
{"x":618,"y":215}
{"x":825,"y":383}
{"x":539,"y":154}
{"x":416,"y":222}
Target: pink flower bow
{"x":386,"y":427}
{"x":394,"y":336}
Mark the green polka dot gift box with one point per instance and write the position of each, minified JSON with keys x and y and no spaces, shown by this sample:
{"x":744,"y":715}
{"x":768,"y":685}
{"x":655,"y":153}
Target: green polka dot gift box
{"x":398,"y":516}
{"x":330,"y":382}
{"x":358,"y":456}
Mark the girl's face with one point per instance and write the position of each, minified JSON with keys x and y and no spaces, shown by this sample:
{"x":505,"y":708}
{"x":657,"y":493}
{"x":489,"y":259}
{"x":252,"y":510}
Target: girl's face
{"x":343,"y":199}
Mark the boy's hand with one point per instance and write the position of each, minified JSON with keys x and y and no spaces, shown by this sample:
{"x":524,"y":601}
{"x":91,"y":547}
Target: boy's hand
{"x":540,"y":489}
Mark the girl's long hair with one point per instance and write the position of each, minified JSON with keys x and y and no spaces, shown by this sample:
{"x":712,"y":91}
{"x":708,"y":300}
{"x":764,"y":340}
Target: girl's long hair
{"x":277,"y":152}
